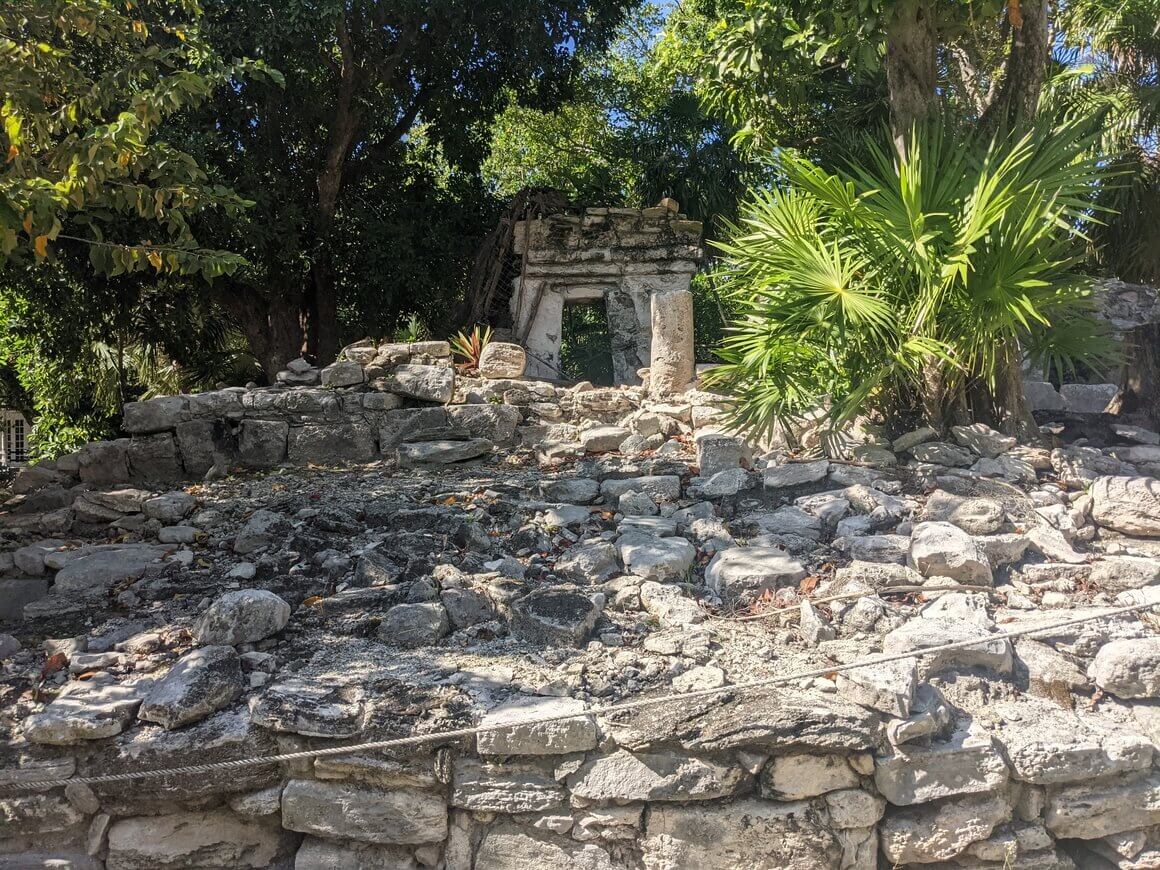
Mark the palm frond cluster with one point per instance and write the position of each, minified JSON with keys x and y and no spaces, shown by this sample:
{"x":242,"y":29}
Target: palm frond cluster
{"x":904,"y":283}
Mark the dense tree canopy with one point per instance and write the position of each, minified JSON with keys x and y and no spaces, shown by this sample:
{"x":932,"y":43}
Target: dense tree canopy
{"x":333,"y":159}
{"x":213,"y":187}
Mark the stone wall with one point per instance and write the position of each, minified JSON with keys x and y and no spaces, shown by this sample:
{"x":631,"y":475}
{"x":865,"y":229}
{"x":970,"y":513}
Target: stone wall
{"x":1125,"y":307}
{"x":637,"y":262}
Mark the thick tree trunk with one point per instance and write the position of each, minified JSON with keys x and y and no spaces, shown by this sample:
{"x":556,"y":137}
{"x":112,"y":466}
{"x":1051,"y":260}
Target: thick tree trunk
{"x":911,"y":69}
{"x":320,"y":303}
{"x":1025,"y":70}
{"x":272,"y":324}
{"x":321,"y":311}
{"x":1010,"y":398}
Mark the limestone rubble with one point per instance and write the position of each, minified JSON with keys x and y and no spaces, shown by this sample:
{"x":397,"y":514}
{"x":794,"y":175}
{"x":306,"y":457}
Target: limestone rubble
{"x":346,"y":557}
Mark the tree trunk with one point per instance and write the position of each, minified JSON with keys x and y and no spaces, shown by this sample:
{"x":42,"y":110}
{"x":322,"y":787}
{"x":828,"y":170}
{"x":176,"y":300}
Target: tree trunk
{"x":1025,"y":69}
{"x":272,"y":324}
{"x":1010,"y":398}
{"x":320,"y":313}
{"x":911,"y":69}
{"x":320,"y":303}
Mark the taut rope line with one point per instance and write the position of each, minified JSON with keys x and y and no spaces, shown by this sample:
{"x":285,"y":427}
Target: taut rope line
{"x":454,"y":734}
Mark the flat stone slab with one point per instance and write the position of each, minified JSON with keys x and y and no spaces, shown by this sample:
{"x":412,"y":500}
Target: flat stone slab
{"x":101,"y":568}
{"x":442,"y":452}
{"x":402,"y":815}
{"x":577,"y":734}
{"x":90,"y":710}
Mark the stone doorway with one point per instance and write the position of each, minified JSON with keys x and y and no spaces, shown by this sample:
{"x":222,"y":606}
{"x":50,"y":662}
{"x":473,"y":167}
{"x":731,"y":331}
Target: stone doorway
{"x":635,"y":263}
{"x":585,"y":344}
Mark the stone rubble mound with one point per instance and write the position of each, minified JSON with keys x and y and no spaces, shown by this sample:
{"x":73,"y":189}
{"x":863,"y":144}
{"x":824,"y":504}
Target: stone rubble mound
{"x":385,"y":548}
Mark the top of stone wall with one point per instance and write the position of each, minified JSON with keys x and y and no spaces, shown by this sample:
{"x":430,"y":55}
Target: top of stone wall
{"x":659,"y":233}
{"x":1126,"y":306}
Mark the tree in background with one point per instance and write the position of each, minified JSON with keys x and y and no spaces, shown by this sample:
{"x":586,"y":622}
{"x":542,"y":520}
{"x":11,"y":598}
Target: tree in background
{"x":634,"y":131}
{"x":102,"y":278}
{"x":989,"y":58}
{"x":371,"y":146}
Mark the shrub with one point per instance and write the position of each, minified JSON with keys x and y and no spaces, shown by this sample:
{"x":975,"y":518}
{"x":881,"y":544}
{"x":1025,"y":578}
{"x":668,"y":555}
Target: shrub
{"x":911,"y":283}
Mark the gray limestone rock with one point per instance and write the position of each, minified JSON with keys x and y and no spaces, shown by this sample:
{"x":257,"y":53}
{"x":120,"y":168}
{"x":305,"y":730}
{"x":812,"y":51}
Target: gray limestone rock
{"x":742,"y":571}
{"x":624,"y":776}
{"x":1128,"y":668}
{"x":90,"y":710}
{"x":209,"y":838}
{"x":552,"y":617}
{"x":442,"y":452}
{"x":414,"y":625}
{"x":511,"y":737}
{"x":201,"y":683}
{"x":349,"y":811}
{"x":243,"y":616}
{"x":428,"y":383}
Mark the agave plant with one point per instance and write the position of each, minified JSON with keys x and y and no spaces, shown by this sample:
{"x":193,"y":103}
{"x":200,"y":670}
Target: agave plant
{"x":911,"y":283}
{"x":469,"y":347}
{"x":412,"y":330}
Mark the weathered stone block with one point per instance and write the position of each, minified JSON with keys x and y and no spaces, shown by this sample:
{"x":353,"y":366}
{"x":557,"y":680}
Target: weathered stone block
{"x":344,"y":373}
{"x":154,"y":458}
{"x":672,"y":361}
{"x":403,"y":815}
{"x":195,"y":442}
{"x":797,"y":777}
{"x":624,"y":776}
{"x":745,"y":833}
{"x":511,"y":737}
{"x":331,"y":443}
{"x":504,"y":788}
{"x":501,"y":359}
{"x":263,"y":443}
{"x":496,"y":423}
{"x":103,"y":463}
{"x":967,"y":762}
{"x":215,"y":838}
{"x":428,"y":383}
{"x":153,"y":415}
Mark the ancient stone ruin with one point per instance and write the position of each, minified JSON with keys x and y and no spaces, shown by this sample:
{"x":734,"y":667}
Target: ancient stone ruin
{"x":637,"y":263}
{"x":388,"y":548}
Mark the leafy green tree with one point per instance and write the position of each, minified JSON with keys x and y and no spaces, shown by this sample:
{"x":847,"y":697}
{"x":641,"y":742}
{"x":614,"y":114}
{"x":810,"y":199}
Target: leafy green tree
{"x":904,"y":282}
{"x":989,"y":57}
{"x":333,"y":156}
{"x":1113,"y":46}
{"x":102,"y":276}
{"x":88,"y":86}
{"x":634,"y":131}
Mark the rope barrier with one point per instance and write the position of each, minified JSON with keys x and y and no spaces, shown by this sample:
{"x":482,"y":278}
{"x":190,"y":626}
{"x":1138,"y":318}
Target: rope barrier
{"x":847,"y":596}
{"x":600,"y":710}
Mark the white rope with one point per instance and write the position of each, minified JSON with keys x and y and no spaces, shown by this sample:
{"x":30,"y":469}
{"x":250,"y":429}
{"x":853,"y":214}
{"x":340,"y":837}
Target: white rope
{"x":458,"y":733}
{"x":848,"y":596}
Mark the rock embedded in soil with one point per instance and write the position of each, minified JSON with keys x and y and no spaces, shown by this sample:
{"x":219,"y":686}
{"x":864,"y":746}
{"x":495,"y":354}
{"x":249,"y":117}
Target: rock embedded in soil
{"x":244,"y":616}
{"x":201,"y":683}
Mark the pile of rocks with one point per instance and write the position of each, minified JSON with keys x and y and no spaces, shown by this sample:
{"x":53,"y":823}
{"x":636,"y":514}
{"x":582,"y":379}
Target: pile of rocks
{"x":604,"y":547}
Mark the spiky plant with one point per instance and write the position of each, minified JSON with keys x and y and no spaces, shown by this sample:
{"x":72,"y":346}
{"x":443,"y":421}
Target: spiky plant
{"x":910,"y":283}
{"x":469,"y":347}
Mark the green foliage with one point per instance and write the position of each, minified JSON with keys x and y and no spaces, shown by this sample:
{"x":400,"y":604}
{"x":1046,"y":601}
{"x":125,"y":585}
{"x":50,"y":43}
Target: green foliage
{"x":363,"y":168}
{"x":1114,"y":50}
{"x":633,"y":132}
{"x":88,"y":85}
{"x":412,"y":330}
{"x":901,"y":283}
{"x":469,"y":347}
{"x":585,"y":345}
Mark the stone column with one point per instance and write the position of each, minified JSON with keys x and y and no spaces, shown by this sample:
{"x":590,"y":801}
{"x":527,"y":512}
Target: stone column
{"x":672,"y":364}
